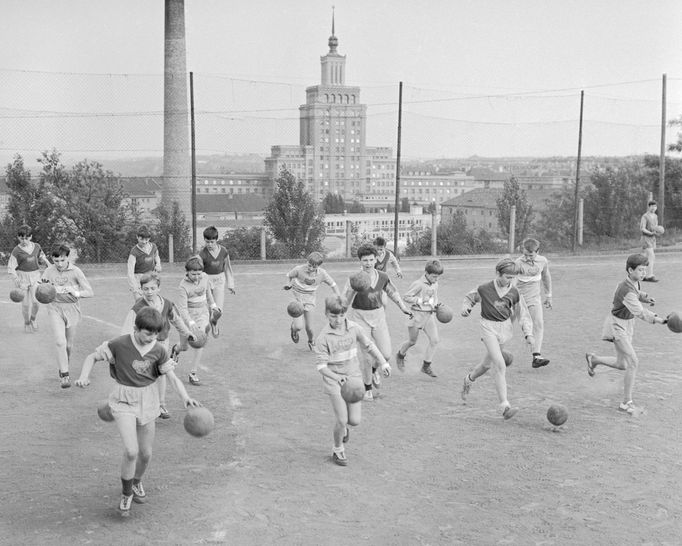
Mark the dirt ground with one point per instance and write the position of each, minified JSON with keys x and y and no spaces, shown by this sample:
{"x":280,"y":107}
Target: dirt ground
{"x":424,"y":468}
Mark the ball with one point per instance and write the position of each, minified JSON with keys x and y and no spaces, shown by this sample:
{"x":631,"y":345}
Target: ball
{"x":199,"y":421}
{"x":360,"y":281}
{"x":659,"y":230}
{"x":198,"y":339}
{"x":508,"y":358}
{"x":104,"y":411}
{"x":353,"y":390}
{"x":674,"y":322}
{"x":45,"y":292}
{"x":557,"y":414}
{"x":295,"y":309}
{"x":444,"y":314}
{"x":16,"y":294}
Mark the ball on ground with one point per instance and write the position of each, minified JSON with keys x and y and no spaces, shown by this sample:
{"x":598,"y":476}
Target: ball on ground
{"x":198,"y":339}
{"x":295,"y":309}
{"x":360,"y":281}
{"x":46,"y":293}
{"x":557,"y":414}
{"x":353,"y":390}
{"x":104,"y":411}
{"x":674,"y":322}
{"x":508,"y":358}
{"x":16,"y":294}
{"x":199,"y":421}
{"x":444,"y":313}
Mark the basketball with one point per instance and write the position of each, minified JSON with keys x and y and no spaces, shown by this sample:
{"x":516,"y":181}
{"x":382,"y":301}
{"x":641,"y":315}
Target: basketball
{"x":674,"y":323}
{"x":508,"y":358}
{"x":360,"y":281}
{"x":198,"y":339}
{"x":557,"y":414}
{"x":444,"y":314}
{"x":45,"y":292}
{"x":295,"y":309}
{"x":659,"y":230}
{"x":199,"y":421}
{"x":353,"y":390}
{"x":16,"y":294}
{"x":104,"y":411}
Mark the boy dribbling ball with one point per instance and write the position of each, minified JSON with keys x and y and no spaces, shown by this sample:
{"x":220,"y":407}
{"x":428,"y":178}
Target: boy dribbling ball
{"x":136,"y":361}
{"x":337,"y":360}
{"x":218,"y":270}
{"x":143,"y":258}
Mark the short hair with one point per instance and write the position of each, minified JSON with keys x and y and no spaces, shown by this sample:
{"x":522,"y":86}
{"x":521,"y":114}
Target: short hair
{"x":335,"y":305}
{"x":211,"y":233}
{"x":195,"y":263}
{"x":24,"y":231}
{"x":651,"y":202}
{"x":149,"y":319}
{"x":434,"y":267}
{"x":60,"y":249}
{"x":635,"y":260}
{"x":367,"y":249}
{"x":152,"y":276}
{"x":530,"y":244}
{"x":315,"y":258}
{"x":506,"y":266}
{"x":379,"y":241}
{"x":143,"y":231}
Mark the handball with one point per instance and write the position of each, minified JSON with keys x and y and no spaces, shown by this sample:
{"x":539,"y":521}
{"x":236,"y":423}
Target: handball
{"x":104,"y":411}
{"x":198,"y":421}
{"x":295,"y":309}
{"x":444,"y":314}
{"x":557,"y":414}
{"x":674,"y":322}
{"x":16,"y":294}
{"x":659,"y":230}
{"x":508,"y":358}
{"x":198,"y":339}
{"x":45,"y":292}
{"x":353,"y":390}
{"x":360,"y":281}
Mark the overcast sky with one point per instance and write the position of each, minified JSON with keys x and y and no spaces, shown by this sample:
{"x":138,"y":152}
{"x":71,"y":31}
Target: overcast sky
{"x":485,"y":77}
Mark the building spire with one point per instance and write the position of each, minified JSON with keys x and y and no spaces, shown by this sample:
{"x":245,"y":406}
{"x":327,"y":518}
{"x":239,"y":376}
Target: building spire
{"x":333,"y":40}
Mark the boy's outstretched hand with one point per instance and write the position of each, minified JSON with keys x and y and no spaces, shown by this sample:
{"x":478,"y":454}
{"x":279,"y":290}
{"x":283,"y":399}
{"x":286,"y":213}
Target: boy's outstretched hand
{"x":386,"y":369}
{"x":191,"y":402}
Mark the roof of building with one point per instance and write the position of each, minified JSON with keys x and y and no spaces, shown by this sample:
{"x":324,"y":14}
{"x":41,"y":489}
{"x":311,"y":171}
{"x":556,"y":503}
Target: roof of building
{"x":228,"y":203}
{"x":483,"y":173}
{"x":486,"y":198}
{"x":138,"y":186}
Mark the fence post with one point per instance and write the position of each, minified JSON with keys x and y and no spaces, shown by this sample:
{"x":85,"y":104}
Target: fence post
{"x":580,"y":221}
{"x":434,"y":235}
{"x":348,"y":236}
{"x":512,"y":228}
{"x":170,"y":249}
{"x":262,"y":244}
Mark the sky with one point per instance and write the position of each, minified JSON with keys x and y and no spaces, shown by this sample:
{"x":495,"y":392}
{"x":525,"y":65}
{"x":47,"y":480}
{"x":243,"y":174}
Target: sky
{"x":481,"y":77}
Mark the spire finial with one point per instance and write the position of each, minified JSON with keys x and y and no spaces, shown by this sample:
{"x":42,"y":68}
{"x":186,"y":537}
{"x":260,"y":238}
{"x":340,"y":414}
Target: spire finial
{"x":333,"y":40}
{"x":333,"y":9}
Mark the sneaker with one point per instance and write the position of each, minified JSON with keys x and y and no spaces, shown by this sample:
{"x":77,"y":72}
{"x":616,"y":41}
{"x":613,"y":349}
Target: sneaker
{"x":163,"y":412}
{"x":376,"y":378}
{"x":64,"y":380}
{"x":426,"y":368}
{"x":194,"y":378}
{"x":125,"y":504}
{"x":340,"y":458}
{"x":346,"y":436}
{"x":400,"y":361}
{"x":650,"y":278}
{"x":34,"y":325}
{"x":466,"y":387}
{"x":369,"y":397}
{"x":628,"y":407}
{"x":175,"y":353}
{"x":539,"y":362}
{"x":311,"y":345}
{"x":27,"y":328}
{"x":590,"y":366}
{"x":294,"y":335}
{"x":509,"y":412}
{"x":139,"y":496}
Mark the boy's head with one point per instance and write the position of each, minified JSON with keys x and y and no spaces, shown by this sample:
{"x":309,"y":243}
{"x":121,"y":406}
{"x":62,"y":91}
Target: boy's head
{"x":195,"y":263}
{"x":24,"y":232}
{"x":315,"y":259}
{"x":367,"y":254}
{"x":506,"y":271}
{"x":211,"y":234}
{"x":433,"y":267}
{"x":148,"y":323}
{"x":60,"y":250}
{"x":380,"y":243}
{"x":636,"y":261}
{"x":143,"y":232}
{"x":150,"y":284}
{"x":335,"y":310}
{"x":530,"y":247}
{"x":652,"y":204}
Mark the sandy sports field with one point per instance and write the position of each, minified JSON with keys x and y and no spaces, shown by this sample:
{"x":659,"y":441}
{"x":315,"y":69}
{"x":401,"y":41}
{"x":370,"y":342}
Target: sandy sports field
{"x":424,"y":468}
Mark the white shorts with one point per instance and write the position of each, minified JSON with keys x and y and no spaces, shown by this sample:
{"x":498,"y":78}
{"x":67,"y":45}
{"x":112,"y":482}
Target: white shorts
{"x":500,"y":331}
{"x":615,"y":328}
{"x":306,"y":299}
{"x":28,"y":278}
{"x":142,"y":402}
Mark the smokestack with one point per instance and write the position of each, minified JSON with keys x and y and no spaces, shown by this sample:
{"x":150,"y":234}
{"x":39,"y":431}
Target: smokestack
{"x":176,"y":153}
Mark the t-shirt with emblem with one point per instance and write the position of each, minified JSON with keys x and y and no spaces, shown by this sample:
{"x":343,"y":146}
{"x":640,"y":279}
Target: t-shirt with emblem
{"x":130,"y":367}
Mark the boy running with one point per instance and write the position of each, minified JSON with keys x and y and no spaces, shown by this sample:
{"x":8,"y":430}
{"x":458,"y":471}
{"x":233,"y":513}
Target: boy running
{"x":422,"y":296}
{"x":386,"y":257}
{"x":337,"y":360}
{"x":136,"y":361}
{"x":619,"y":327}
{"x":304,"y":280}
{"x":533,"y":278}
{"x":367,"y":309}
{"x":499,"y":300}
{"x":64,"y":313}
{"x":218,"y":269}
{"x":144,"y":258}
{"x":23,"y":267}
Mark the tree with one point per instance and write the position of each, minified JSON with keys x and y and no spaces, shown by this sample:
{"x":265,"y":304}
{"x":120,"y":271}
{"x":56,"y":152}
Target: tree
{"x":171,"y":221}
{"x":673,"y":187}
{"x":244,"y":243}
{"x":555,"y":225}
{"x":293,"y":218}
{"x":676,"y":146}
{"x":513,"y":195}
